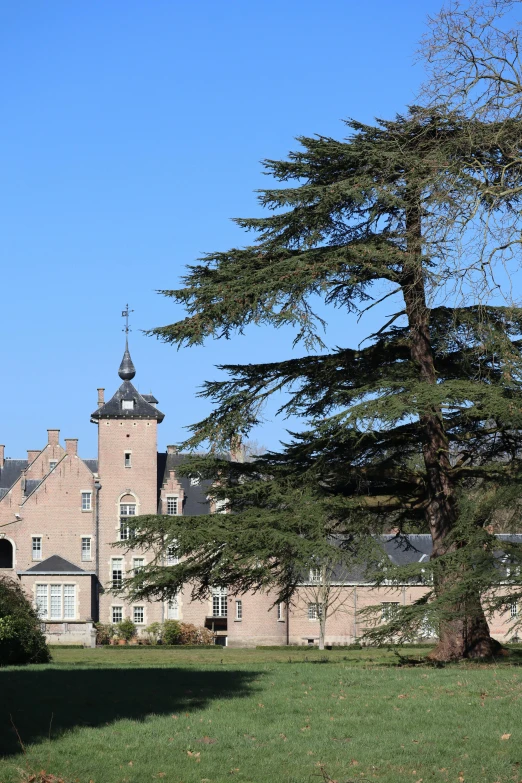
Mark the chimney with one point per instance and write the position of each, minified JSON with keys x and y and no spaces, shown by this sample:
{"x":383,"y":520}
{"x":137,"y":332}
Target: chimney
{"x":2,"y":456}
{"x":32,"y":455}
{"x":71,"y":446}
{"x":101,"y":397}
{"x":172,"y":449}
{"x":53,"y":436}
{"x":237,"y":450}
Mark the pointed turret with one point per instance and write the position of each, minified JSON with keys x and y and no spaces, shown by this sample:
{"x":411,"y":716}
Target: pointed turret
{"x":127,"y":370}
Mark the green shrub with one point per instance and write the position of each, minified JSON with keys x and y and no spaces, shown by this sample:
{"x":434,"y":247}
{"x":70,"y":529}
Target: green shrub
{"x":126,"y":630}
{"x":104,"y":632}
{"x":21,"y":637}
{"x":171,"y":632}
{"x":153,"y":632}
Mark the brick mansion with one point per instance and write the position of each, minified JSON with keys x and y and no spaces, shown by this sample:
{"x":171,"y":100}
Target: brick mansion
{"x":60,"y":515}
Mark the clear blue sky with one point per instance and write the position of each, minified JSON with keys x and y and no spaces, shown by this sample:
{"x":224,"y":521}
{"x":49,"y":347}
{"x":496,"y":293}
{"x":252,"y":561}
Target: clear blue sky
{"x":131,"y":133}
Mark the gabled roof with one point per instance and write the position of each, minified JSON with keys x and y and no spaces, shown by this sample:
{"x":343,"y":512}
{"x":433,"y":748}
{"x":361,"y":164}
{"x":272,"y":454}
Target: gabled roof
{"x":11,"y":472}
{"x":54,"y":565}
{"x":113,"y":409}
{"x":196,"y":500}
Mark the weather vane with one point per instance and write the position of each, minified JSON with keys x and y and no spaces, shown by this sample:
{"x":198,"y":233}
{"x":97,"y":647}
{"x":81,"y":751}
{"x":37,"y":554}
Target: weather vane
{"x":125,"y":314}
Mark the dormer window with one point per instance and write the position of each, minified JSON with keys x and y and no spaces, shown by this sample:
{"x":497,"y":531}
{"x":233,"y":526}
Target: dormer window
{"x":127,"y":405}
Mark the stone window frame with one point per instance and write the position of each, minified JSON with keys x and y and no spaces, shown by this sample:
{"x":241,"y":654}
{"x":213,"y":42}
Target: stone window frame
{"x":173,"y":607}
{"x":34,"y":537}
{"x":83,"y":538}
{"x":83,"y":496}
{"x":239,"y":610}
{"x":172,"y":498}
{"x":119,"y":505}
{"x":62,"y":585}
{"x":139,"y":607}
{"x":113,"y":570}
{"x":113,"y":607}
{"x":127,"y":458}
{"x":280,"y":612}
{"x":314,"y":611}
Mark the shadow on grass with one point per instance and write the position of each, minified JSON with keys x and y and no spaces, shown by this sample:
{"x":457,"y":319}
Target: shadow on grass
{"x":45,"y":703}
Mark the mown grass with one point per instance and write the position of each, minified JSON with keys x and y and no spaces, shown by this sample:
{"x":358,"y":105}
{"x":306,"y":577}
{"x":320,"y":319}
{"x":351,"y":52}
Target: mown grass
{"x":127,"y":715}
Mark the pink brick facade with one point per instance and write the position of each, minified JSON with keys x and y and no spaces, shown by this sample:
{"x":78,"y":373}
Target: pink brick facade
{"x":60,"y":516}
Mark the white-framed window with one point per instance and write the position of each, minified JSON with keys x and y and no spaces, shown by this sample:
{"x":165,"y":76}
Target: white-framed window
{"x":127,"y":405}
{"x":127,"y":459}
{"x":86,"y":548}
{"x":37,"y":547}
{"x":42,"y":600}
{"x":86,"y":501}
{"x":117,"y":614}
{"x":172,"y":555}
{"x":194,"y":481}
{"x":138,"y":615}
{"x":513,"y":609}
{"x":219,"y":602}
{"x":117,"y":572}
{"x":239,"y":610}
{"x":172,"y":505}
{"x":221,"y":506}
{"x":315,"y":574}
{"x":173,"y":609}
{"x":280,"y":611}
{"x":127,"y":510}
{"x":69,"y":602}
{"x":314,"y":611}
{"x":138,"y":564}
{"x":52,"y":464}
{"x":388,"y":610}
{"x":56,"y":601}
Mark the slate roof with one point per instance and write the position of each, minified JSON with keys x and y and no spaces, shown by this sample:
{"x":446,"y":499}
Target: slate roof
{"x":92,"y":464}
{"x":30,"y":485}
{"x":150,"y":398}
{"x":56,"y":565}
{"x":11,"y":472}
{"x":113,"y":408}
{"x":196,"y":502}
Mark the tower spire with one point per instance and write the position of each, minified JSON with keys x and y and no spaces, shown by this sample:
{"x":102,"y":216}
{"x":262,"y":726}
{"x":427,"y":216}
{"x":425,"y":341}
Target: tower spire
{"x":127,"y":370}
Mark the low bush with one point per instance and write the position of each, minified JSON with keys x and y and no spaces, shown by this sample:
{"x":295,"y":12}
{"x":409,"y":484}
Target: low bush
{"x":193,"y":634}
{"x":153,"y":633}
{"x":104,"y":632}
{"x":21,"y":637}
{"x":126,"y":630}
{"x":171,"y":632}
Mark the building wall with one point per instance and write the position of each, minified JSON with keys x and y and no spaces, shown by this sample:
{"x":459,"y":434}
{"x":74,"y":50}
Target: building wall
{"x":115,"y":438}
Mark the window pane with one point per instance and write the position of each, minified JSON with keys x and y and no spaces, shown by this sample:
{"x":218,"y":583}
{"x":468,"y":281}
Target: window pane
{"x":86,"y":501}
{"x":41,"y":600}
{"x":56,"y":602}
{"x":388,"y":610}
{"x":172,"y":506}
{"x":139,"y":614}
{"x":37,"y":548}
{"x":172,"y":558}
{"x":117,"y":614}
{"x":69,"y":603}
{"x":172,"y":609}
{"x":219,"y":602}
{"x":86,"y":548}
{"x":117,"y":572}
{"x":239,"y":610}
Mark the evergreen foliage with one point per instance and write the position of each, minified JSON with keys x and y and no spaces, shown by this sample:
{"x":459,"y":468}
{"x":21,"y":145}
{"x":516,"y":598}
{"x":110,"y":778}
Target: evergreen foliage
{"x":21,"y":640}
{"x":420,"y":427}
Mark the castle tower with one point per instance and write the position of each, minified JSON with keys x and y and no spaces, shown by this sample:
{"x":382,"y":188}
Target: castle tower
{"x":127,"y":470}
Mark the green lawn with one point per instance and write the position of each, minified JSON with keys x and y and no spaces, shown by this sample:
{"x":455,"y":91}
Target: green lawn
{"x":128,"y":715}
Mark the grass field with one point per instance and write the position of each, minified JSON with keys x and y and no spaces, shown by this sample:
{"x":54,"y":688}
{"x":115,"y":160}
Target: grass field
{"x":128,"y":715}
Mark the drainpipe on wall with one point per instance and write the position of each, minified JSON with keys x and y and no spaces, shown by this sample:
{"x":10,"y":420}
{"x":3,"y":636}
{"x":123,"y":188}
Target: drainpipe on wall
{"x":97,"y":487}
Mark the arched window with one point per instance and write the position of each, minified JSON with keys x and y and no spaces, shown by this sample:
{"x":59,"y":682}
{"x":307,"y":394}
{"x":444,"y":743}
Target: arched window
{"x":127,"y":511}
{"x":6,"y":553}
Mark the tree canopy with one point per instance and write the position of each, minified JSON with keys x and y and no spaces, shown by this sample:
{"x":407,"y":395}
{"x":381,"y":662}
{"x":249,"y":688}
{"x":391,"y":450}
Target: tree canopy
{"x":421,"y":426}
